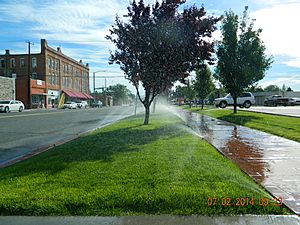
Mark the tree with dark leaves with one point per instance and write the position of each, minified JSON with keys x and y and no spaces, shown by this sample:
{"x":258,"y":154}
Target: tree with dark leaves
{"x":159,"y":46}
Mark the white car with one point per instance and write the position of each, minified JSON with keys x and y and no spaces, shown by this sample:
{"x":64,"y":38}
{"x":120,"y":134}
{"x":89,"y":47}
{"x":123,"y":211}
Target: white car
{"x":11,"y":105}
{"x":245,"y":100}
{"x":82,"y":104}
{"x":70,"y":105}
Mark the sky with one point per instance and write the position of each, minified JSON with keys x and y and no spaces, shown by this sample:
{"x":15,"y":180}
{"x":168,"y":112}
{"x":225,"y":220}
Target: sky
{"x":79,"y":28}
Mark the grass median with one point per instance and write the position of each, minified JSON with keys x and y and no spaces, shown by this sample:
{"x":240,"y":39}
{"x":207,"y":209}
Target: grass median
{"x":130,"y":169}
{"x":284,"y":126}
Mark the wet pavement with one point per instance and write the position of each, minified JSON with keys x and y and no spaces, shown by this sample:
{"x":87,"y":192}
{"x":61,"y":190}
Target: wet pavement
{"x":152,"y":220}
{"x":272,"y":161}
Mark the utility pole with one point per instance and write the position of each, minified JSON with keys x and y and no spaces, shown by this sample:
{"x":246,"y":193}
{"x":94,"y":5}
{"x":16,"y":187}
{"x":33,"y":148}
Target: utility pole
{"x":29,"y":76}
{"x":94,"y":84}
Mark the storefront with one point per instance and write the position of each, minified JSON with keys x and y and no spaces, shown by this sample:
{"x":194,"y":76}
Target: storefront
{"x":53,"y":98}
{"x":38,"y":94}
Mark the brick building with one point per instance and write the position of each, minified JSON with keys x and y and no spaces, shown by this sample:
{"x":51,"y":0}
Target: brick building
{"x":53,"y":77}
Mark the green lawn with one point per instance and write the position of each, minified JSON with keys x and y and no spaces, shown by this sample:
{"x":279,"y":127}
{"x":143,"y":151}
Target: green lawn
{"x":284,"y":126}
{"x":130,"y":169}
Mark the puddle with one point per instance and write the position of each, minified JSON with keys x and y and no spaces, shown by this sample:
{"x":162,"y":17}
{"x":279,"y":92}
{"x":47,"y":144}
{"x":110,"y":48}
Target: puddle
{"x":272,"y":161}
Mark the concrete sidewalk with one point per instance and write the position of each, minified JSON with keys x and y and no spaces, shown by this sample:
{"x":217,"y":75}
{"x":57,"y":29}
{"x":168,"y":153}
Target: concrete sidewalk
{"x":152,"y":220}
{"x":293,"y":111}
{"x":272,"y":161}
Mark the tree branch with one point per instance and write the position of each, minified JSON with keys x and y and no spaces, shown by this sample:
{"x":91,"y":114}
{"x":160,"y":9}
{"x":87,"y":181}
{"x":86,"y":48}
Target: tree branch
{"x":138,"y":94}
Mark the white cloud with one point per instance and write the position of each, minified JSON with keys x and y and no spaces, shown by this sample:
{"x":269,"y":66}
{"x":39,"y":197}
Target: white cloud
{"x":280,"y":28}
{"x":82,"y":20}
{"x":273,"y":2}
{"x":290,"y":80}
{"x":293,"y":63}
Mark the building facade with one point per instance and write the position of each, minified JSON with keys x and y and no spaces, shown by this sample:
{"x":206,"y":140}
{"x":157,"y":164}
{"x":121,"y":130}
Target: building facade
{"x":43,"y":79}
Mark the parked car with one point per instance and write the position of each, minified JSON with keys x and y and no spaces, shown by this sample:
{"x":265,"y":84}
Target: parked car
{"x":82,"y":104}
{"x":70,"y":105}
{"x":11,"y":105}
{"x":275,"y":100}
{"x":245,"y":100}
{"x":272,"y":100}
{"x":97,"y":104}
{"x":295,"y":101}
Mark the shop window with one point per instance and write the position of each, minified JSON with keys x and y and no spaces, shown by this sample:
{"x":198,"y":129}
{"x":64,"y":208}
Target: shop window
{"x":35,"y":99}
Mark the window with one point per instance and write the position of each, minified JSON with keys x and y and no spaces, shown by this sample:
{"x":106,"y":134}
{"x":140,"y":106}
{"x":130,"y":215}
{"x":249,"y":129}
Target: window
{"x":34,"y":75}
{"x":33,"y":62}
{"x":49,"y":79}
{"x":53,"y":64}
{"x":49,"y":63}
{"x":2,"y":63}
{"x":35,"y":99}
{"x":22,"y":62}
{"x":56,"y":65}
{"x":12,"y":63}
{"x":246,"y":94}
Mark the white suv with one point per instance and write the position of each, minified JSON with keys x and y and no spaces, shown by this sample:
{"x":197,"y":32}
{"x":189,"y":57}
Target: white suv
{"x":245,"y":100}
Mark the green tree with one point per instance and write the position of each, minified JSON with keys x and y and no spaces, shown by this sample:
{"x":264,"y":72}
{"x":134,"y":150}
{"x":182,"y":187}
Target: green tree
{"x":189,"y":93}
{"x":272,"y":88}
{"x":159,"y":46}
{"x":254,"y":88}
{"x":179,"y":92}
{"x":203,"y":85}
{"x":119,"y":92}
{"x":241,"y":55}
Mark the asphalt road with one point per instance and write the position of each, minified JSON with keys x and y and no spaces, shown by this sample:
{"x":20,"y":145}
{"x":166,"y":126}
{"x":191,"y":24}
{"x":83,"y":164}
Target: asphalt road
{"x":29,"y":132}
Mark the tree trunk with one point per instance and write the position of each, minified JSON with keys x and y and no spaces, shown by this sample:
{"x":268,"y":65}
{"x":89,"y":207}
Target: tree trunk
{"x":154,"y":105}
{"x":147,"y":114}
{"x":202,"y":103}
{"x":190,"y":104}
{"x":234,"y":104}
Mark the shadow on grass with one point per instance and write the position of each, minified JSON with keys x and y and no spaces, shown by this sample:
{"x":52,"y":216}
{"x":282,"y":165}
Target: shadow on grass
{"x":101,"y":145}
{"x":238,"y":119}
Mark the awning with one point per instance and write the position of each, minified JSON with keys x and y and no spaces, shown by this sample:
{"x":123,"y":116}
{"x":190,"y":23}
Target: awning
{"x":88,"y":96}
{"x":70,"y":93}
{"x":75,"y":94}
{"x":81,"y":95}
{"x":35,"y":91}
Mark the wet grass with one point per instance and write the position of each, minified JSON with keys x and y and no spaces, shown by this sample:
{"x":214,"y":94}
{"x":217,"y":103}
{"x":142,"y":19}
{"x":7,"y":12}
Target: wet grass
{"x":284,"y":126}
{"x":130,"y":169}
